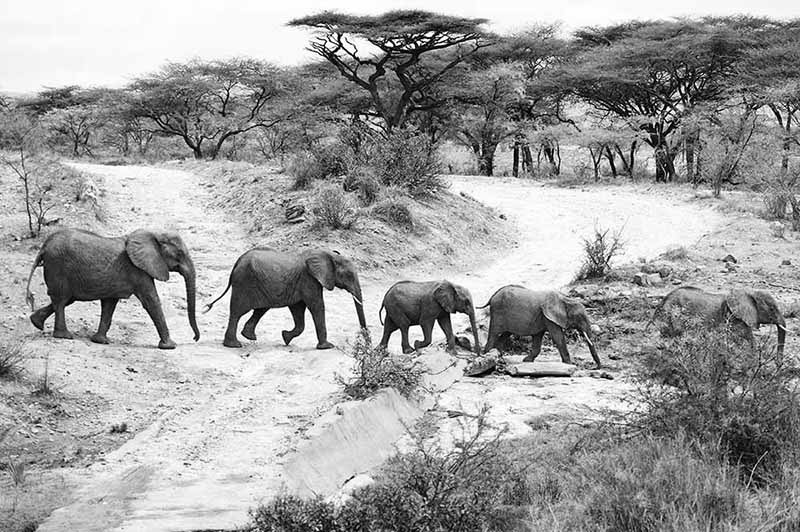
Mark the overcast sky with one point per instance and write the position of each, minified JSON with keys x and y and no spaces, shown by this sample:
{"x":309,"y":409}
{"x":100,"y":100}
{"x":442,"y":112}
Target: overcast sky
{"x":94,"y":42}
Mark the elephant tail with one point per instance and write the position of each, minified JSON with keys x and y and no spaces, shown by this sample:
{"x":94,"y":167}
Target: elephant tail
{"x":36,"y":263}
{"x":383,"y":306}
{"x":485,"y":304}
{"x":209,"y":305}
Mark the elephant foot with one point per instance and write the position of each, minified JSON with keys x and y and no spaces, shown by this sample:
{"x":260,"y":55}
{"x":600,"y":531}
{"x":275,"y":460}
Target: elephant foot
{"x":231,"y":343}
{"x":37,"y":321}
{"x":250,"y":334}
{"x":65,"y":334}
{"x":407,"y":350}
{"x":166,"y":344}
{"x":288,"y":336}
{"x":99,"y":338}
{"x":325,"y":345}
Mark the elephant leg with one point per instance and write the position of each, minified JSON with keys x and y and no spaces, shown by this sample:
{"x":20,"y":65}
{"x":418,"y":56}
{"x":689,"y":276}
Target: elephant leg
{"x":249,"y":329}
{"x":557,"y":334}
{"x":447,"y":329}
{"x":404,"y":339}
{"x":427,"y":335}
{"x":536,"y":348}
{"x":317,"y":309}
{"x":298,"y":311}
{"x":149,"y":299}
{"x":494,"y":335}
{"x":389,"y":326}
{"x":60,"y":328}
{"x":107,"y":307}
{"x":238,"y":308}
{"x":40,"y":316}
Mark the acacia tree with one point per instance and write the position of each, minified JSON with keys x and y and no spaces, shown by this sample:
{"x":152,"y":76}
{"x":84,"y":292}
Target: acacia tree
{"x":652,"y":74}
{"x":395,"y":57}
{"x":206,"y":103}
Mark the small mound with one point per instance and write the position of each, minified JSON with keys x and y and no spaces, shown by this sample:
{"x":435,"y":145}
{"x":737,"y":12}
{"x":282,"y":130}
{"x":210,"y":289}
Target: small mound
{"x":430,"y":234}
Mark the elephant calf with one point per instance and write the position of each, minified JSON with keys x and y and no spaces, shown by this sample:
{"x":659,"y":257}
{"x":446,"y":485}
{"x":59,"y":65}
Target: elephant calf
{"x":518,"y":310}
{"x":421,"y":303}
{"x":264,"y":278}
{"x":744,"y":309}
{"x":83,"y":266}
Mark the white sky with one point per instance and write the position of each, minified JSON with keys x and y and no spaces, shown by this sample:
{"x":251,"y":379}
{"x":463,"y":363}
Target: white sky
{"x":106,"y":42}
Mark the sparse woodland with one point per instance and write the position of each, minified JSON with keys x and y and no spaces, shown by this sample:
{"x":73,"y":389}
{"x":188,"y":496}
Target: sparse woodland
{"x":395,"y":102}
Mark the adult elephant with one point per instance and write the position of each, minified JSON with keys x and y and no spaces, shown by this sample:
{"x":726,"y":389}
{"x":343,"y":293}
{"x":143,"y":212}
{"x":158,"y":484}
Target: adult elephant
{"x":421,"y":303}
{"x":84,"y":266}
{"x":744,"y":309}
{"x":264,"y":278}
{"x":518,"y":310}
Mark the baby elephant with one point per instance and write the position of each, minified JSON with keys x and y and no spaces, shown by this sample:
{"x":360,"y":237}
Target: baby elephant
{"x":421,"y":303}
{"x":517,"y":310}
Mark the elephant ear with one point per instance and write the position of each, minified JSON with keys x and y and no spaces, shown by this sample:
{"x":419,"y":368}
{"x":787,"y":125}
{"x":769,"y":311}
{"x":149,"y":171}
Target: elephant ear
{"x":143,"y":250}
{"x":743,"y":307}
{"x":445,"y":295}
{"x":555,"y":310}
{"x":321,"y":267}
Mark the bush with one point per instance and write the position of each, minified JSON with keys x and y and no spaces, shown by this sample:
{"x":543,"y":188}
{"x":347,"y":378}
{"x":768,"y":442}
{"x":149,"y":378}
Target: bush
{"x":375,"y":368}
{"x":430,"y":489}
{"x":318,"y":164}
{"x":718,"y":389}
{"x":11,"y":358}
{"x":333,"y":208}
{"x":365,"y":183}
{"x":408,"y":159}
{"x":775,"y":203}
{"x":599,"y":252}
{"x":396,"y":212}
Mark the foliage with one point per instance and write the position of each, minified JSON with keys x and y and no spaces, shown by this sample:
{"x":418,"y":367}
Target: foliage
{"x":599,"y":252}
{"x":720,"y":390}
{"x":397,"y":57}
{"x":334,"y":208}
{"x":470,"y":486}
{"x":11,"y":357}
{"x":43,"y":384}
{"x":395,"y":211}
{"x":775,"y":203}
{"x":375,"y":368}
{"x":408,"y":160}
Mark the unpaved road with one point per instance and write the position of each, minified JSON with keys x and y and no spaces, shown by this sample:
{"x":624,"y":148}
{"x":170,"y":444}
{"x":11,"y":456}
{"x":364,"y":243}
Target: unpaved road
{"x":235,"y":416}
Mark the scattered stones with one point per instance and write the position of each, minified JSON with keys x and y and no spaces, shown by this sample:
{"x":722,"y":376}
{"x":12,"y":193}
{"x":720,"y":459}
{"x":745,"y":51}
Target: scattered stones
{"x":786,"y":262}
{"x":648,"y":279}
{"x":729,"y":259}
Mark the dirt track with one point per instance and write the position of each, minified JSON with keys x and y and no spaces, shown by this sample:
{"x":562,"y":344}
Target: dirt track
{"x":229,"y":419}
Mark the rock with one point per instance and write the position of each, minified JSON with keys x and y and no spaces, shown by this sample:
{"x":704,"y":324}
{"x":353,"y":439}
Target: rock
{"x":729,"y":258}
{"x":786,"y":262}
{"x":663,"y":270}
{"x":464,"y":343}
{"x":647,"y":279}
{"x":482,"y":365}
{"x":729,"y":267}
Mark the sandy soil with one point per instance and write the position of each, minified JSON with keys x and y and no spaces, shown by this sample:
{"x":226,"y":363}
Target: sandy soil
{"x":214,"y":428}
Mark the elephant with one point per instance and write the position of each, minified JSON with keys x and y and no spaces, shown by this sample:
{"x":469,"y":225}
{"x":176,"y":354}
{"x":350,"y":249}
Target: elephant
{"x":83,"y":266}
{"x":744,"y":309}
{"x":518,"y":310}
{"x":421,"y":303}
{"x":264,"y":278}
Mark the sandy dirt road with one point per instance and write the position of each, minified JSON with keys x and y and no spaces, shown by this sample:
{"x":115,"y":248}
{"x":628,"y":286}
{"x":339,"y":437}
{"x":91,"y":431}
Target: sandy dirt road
{"x":233,"y":417}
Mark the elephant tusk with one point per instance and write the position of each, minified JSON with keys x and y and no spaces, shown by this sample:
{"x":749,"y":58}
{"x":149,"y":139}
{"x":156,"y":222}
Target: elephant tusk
{"x":357,"y":300}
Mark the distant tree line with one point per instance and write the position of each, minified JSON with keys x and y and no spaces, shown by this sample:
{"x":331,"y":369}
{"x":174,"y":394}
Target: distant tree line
{"x":701,"y":99}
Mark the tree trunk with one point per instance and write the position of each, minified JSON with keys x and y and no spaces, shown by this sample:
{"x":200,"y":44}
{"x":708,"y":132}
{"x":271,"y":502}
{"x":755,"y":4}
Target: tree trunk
{"x":689,"y":150}
{"x":486,"y":158}
{"x":611,"y":158}
{"x":515,"y":166}
{"x":527,"y":159}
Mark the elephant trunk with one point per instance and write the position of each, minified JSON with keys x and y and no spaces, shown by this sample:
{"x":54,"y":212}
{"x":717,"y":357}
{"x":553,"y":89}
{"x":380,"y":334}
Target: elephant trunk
{"x":474,"y":327}
{"x":359,"y":302}
{"x":592,"y":349}
{"x":189,"y":276}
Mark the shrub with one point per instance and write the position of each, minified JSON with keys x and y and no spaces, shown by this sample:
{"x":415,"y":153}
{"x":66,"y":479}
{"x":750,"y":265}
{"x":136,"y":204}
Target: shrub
{"x":718,"y":388}
{"x":430,"y":489}
{"x":396,"y":212}
{"x":599,"y":252}
{"x":305,"y":168}
{"x":333,"y":208}
{"x":11,"y":357}
{"x":775,"y":203}
{"x":363,"y":181}
{"x":375,"y":368}
{"x":408,"y":159}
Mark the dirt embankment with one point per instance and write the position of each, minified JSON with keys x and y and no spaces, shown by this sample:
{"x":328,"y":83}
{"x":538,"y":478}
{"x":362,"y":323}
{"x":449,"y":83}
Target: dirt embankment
{"x":451,"y":232}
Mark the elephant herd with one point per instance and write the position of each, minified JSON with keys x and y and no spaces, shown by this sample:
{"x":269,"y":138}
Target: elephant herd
{"x":82,"y":266}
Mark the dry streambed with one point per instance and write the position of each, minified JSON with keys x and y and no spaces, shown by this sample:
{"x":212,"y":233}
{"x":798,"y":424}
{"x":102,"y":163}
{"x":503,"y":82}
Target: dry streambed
{"x":245,"y":422}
